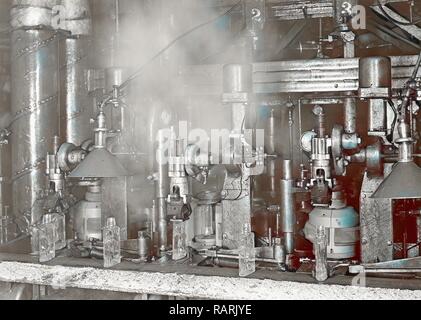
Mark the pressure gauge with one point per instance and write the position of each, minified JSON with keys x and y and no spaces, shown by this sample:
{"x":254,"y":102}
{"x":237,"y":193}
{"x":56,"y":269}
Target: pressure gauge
{"x":306,"y":140}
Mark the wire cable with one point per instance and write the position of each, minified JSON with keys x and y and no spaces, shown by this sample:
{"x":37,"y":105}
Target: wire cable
{"x":417,"y":67}
{"x":395,"y":119}
{"x":175,"y":41}
{"x":391,"y":19}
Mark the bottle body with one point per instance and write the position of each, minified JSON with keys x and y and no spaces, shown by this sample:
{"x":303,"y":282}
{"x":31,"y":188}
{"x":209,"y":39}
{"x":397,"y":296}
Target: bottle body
{"x":47,"y":238}
{"x":320,"y":250}
{"x":179,"y":250}
{"x":111,"y":239}
{"x":247,"y":252}
{"x":60,"y":220}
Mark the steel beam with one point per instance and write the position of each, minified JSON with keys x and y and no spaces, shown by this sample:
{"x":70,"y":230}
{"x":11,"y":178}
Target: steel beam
{"x":413,"y":30}
{"x":390,"y":36}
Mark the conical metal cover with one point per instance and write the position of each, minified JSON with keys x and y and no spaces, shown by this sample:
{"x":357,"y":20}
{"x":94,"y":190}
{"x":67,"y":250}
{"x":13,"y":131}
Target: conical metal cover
{"x":404,"y":182}
{"x":100,"y":163}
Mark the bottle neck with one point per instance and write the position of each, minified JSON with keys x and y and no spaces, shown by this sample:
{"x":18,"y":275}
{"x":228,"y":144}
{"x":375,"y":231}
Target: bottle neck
{"x":111,"y":222}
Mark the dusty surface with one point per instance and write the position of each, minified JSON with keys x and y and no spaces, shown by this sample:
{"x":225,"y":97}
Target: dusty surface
{"x":187,"y":285}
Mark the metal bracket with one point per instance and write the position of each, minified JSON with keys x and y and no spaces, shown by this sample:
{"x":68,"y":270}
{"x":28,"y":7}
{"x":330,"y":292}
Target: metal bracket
{"x":411,"y":265}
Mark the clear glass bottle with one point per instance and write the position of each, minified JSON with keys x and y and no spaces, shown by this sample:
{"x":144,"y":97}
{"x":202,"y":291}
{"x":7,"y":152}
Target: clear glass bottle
{"x":179,"y":250}
{"x":111,"y":239}
{"x":247,"y":252}
{"x":47,"y":238}
{"x":34,"y":232}
{"x":320,"y":250}
{"x":60,"y":220}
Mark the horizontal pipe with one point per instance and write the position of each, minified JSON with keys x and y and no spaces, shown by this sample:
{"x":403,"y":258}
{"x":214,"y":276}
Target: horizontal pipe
{"x":294,"y":76}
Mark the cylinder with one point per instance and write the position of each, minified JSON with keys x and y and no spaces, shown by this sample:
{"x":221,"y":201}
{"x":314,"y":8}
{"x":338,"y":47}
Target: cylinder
{"x":144,"y":245}
{"x":162,"y":189}
{"x":104,"y":26}
{"x":77,"y":17}
{"x":287,"y":206}
{"x":76,"y":105}
{"x":204,"y":221}
{"x":31,"y":13}
{"x":350,"y":106}
{"x":238,"y":78}
{"x":321,"y":125}
{"x":279,"y":251}
{"x":35,"y":117}
{"x":218,"y":225}
{"x":5,"y":186}
{"x":375,"y":72}
{"x":377,"y":116}
{"x":237,"y":85}
{"x":87,"y":215}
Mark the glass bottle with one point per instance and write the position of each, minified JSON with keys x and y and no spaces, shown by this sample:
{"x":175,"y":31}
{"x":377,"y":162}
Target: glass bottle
{"x":320,"y":251}
{"x":111,"y":239}
{"x":60,"y":219}
{"x":179,"y":250}
{"x":247,"y":255}
{"x":34,"y":232}
{"x":47,"y":238}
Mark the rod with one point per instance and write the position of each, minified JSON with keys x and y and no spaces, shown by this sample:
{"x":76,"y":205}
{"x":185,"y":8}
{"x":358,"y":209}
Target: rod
{"x":287,"y":206}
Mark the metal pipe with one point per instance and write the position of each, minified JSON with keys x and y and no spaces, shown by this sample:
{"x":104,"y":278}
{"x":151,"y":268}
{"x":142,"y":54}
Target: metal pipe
{"x":350,"y":105}
{"x":77,"y":106}
{"x":238,"y":82}
{"x":161,"y":192}
{"x":287,"y":206}
{"x":271,"y":149}
{"x":321,"y":124}
{"x":377,"y":115}
{"x":34,"y":94}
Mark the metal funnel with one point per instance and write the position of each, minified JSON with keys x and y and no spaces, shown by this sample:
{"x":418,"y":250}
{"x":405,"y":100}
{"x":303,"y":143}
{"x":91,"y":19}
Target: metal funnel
{"x":404,"y":182}
{"x":100,"y":163}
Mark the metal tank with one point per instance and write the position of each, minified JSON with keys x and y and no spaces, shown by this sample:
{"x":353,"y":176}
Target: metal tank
{"x":341,"y":223}
{"x":34,"y":105}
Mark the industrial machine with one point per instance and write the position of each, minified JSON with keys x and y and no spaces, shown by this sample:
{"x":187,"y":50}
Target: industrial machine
{"x":187,"y":120}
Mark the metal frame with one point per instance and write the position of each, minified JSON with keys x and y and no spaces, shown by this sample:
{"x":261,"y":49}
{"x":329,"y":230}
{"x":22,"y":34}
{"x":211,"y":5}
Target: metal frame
{"x":295,"y":76}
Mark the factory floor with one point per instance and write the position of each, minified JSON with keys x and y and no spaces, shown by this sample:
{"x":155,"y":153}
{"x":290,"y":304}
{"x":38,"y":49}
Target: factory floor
{"x":181,"y":281}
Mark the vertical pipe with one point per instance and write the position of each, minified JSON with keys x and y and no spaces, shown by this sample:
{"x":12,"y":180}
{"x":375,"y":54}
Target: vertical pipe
{"x":350,"y":115}
{"x":270,"y":140}
{"x":34,"y":90}
{"x":74,"y":50}
{"x":5,"y":151}
{"x":74,"y":96}
{"x":350,"y":104}
{"x":321,"y":124}
{"x":287,"y":206}
{"x":377,"y":116}
{"x":238,"y":82}
{"x":162,"y":191}
{"x":291,"y":123}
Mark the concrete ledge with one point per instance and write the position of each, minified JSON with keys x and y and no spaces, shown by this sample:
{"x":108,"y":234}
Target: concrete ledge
{"x":177,"y":285}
